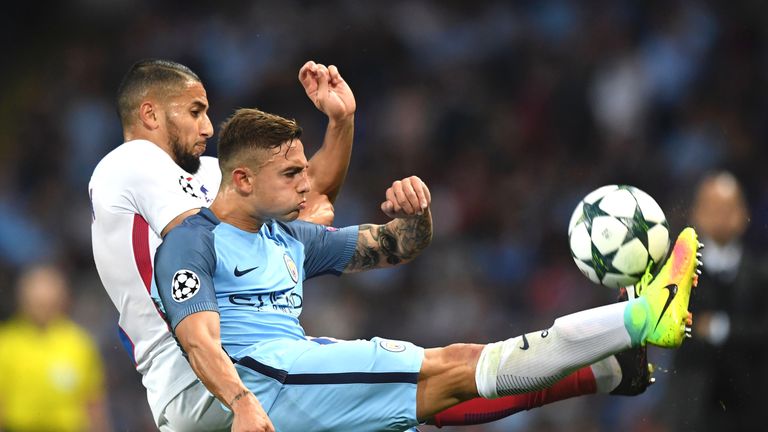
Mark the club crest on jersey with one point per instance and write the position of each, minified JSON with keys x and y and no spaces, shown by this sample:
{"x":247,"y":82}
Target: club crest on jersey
{"x":188,"y":186}
{"x":291,"y":266}
{"x":185,"y":285}
{"x":392,"y":346}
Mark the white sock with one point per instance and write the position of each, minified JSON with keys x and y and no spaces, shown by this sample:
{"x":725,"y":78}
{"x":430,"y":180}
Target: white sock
{"x":537,"y":360}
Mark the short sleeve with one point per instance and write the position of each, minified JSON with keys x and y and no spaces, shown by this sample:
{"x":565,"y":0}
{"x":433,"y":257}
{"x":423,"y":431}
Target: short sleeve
{"x":184,"y":267}
{"x":326,"y":249}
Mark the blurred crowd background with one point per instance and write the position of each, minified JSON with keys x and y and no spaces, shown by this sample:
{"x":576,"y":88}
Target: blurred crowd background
{"x":510,"y":111}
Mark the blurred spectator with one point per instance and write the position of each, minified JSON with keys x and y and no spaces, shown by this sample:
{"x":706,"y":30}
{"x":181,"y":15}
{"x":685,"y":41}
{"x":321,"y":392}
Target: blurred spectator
{"x":720,"y":374}
{"x":51,"y":375}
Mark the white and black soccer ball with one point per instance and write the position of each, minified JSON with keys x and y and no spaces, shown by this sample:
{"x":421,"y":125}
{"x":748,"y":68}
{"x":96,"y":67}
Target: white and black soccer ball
{"x":615,"y":232}
{"x":185,"y":285}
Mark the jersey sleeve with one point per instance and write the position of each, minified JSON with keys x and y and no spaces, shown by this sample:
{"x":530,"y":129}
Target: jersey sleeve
{"x":326,"y":249}
{"x":184,"y":267}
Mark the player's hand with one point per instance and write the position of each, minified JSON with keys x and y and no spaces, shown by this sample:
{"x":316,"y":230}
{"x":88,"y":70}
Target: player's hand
{"x":407,"y":198}
{"x":327,"y":90}
{"x":249,"y":416}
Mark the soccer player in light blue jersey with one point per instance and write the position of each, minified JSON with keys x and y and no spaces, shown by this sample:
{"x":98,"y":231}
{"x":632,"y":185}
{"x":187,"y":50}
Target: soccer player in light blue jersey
{"x":230,"y":281}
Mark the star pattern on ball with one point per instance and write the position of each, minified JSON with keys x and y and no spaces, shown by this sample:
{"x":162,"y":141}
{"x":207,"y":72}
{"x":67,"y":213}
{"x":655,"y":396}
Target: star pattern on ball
{"x":613,"y":239}
{"x":185,"y":285}
{"x":591,"y":211}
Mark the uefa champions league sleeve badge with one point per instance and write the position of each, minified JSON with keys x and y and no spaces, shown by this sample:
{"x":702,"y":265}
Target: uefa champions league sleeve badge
{"x":185,"y":285}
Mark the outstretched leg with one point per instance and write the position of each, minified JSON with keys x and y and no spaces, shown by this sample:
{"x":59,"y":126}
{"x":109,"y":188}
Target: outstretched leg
{"x":537,"y":360}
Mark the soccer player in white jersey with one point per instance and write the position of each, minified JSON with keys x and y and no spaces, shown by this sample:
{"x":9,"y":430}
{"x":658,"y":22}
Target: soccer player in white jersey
{"x":157,"y":178}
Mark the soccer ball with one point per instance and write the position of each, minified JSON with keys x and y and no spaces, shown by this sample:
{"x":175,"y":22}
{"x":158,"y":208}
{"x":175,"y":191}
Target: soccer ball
{"x":615,"y":232}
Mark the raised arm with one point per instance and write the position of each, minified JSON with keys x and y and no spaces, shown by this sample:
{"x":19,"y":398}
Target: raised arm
{"x":331,"y":95}
{"x":401,"y":239}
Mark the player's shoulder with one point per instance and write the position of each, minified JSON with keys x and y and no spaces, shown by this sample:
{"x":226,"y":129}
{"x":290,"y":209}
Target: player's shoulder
{"x":303,"y":231}
{"x":198,"y":226}
{"x":133,"y":151}
{"x":295,"y":227}
{"x":132,"y":158}
{"x":193,"y":239}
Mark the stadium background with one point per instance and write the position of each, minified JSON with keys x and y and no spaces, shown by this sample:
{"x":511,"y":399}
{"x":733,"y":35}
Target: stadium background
{"x":510,"y":111}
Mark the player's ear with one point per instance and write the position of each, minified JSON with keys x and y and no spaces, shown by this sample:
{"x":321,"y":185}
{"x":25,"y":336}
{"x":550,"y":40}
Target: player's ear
{"x":242,"y":180}
{"x":148,"y":115}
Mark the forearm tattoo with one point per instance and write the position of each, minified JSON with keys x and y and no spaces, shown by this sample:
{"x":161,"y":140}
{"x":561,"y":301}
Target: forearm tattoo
{"x":386,"y":245}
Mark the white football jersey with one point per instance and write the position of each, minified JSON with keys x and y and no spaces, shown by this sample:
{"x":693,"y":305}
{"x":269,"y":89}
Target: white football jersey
{"x":136,"y":190}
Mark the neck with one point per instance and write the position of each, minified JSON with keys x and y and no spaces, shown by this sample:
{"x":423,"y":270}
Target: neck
{"x":229,"y":208}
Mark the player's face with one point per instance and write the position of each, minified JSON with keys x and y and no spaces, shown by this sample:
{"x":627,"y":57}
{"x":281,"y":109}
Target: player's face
{"x":281,"y":183}
{"x":188,"y":125}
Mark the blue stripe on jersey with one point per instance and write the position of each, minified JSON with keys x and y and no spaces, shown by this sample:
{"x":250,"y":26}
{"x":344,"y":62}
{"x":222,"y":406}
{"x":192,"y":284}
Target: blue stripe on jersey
{"x":127,"y":343}
{"x":329,"y":378}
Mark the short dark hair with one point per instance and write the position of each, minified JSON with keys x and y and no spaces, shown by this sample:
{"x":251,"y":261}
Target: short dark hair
{"x":252,"y":129}
{"x":145,"y":75}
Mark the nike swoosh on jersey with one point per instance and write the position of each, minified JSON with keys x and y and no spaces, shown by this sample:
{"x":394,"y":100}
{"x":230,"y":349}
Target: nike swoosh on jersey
{"x":239,"y":273}
{"x":672,"y":288}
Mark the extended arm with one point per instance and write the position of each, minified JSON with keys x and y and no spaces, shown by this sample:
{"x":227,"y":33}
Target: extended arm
{"x":401,"y":239}
{"x":199,"y":335}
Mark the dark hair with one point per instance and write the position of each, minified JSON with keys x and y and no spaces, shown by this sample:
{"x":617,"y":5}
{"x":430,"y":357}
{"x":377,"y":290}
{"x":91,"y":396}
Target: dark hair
{"x":145,"y":75}
{"x":250,"y":129}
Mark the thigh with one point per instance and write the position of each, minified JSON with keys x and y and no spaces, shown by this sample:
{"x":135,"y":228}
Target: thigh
{"x":351,"y":386}
{"x":195,"y":409}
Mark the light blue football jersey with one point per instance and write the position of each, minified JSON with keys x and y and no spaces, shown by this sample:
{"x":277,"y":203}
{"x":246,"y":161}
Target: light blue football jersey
{"x":254,"y":280}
